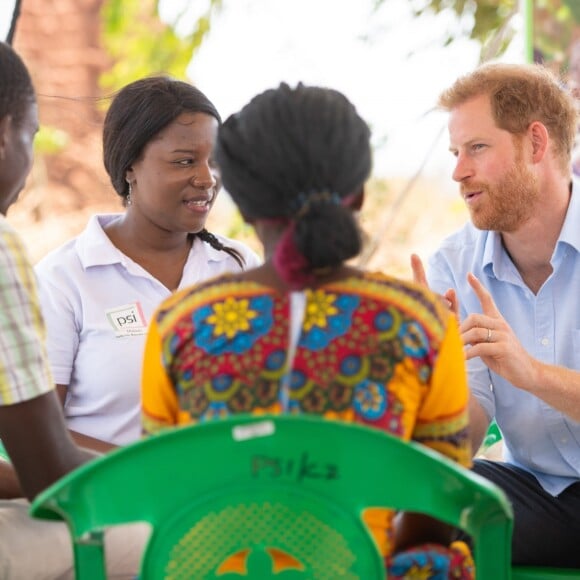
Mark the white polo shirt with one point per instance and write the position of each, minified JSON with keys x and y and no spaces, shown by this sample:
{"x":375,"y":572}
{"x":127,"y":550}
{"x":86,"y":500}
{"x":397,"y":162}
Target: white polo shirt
{"x":97,"y":304}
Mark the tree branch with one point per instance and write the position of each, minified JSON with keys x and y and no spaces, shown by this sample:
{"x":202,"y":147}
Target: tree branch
{"x":15,"y":16}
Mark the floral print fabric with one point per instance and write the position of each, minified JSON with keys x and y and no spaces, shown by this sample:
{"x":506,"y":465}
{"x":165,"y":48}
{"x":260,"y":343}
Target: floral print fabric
{"x":372,"y":350}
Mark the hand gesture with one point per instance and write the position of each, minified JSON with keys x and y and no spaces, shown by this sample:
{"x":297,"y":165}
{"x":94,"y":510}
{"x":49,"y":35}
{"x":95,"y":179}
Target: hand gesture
{"x":420,"y":278}
{"x":491,"y":338}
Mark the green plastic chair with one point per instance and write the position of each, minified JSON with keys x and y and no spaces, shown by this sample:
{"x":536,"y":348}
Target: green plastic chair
{"x":493,"y":434}
{"x":231,"y":495}
{"x":3,"y":453}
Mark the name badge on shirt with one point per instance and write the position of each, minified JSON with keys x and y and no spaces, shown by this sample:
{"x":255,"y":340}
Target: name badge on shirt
{"x":127,"y":320}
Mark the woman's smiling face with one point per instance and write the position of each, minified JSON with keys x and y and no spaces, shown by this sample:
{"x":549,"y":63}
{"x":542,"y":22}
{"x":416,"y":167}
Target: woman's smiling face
{"x":174,"y":182}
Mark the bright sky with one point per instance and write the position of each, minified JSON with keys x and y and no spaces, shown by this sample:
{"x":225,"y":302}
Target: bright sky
{"x":391,"y":66}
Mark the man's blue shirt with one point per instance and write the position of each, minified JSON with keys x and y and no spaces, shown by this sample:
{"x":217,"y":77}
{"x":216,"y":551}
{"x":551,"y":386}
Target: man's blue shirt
{"x":537,"y":438}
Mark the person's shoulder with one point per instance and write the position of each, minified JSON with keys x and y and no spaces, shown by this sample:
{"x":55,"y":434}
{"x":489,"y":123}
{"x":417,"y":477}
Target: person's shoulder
{"x":460,"y":250}
{"x":12,"y":247}
{"x":192,"y":298}
{"x":67,"y":256}
{"x":61,"y":258}
{"x":8,"y":235}
{"x":386,"y":287}
{"x":466,"y":235}
{"x":220,"y":287}
{"x":418,"y":301}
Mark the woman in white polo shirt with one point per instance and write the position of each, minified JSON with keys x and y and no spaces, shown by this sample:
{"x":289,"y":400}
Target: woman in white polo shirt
{"x":99,"y":290}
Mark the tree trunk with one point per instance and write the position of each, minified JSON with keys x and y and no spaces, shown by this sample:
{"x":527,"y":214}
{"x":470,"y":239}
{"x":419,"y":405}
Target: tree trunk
{"x":60,"y":42}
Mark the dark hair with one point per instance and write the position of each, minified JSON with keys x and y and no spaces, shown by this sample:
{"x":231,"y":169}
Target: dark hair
{"x":16,"y":88}
{"x":296,"y":153}
{"x":138,"y":112}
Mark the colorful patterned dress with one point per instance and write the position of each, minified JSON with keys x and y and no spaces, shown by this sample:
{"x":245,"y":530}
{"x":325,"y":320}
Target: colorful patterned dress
{"x":371,"y":349}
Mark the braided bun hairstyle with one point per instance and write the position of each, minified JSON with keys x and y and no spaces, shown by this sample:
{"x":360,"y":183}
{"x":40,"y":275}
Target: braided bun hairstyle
{"x":297,"y":153}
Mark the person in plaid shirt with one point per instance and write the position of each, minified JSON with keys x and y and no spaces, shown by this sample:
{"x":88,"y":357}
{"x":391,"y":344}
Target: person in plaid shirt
{"x":32,"y":428}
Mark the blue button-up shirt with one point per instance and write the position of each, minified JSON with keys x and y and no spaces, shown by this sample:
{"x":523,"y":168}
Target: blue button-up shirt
{"x":541,"y":440}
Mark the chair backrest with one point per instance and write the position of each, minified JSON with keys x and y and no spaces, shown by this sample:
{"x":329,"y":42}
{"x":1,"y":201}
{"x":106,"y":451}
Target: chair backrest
{"x":235,"y":495}
{"x":492,"y":436}
{"x":3,"y":453}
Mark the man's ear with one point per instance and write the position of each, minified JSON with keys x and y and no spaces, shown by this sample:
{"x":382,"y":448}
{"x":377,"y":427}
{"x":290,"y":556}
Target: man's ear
{"x":5,"y":124}
{"x":539,"y":138}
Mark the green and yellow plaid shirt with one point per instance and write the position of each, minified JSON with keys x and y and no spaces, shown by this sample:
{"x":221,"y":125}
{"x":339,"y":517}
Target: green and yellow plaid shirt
{"x":24,"y":369}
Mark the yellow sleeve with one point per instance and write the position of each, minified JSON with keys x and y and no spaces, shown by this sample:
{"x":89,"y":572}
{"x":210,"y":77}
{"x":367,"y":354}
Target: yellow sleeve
{"x":159,"y":402}
{"x":442,"y":422}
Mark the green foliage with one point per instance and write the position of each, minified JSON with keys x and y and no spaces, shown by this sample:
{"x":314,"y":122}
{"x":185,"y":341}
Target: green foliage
{"x":49,"y":140}
{"x":489,"y":21}
{"x":557,"y":23}
{"x":140,"y":44}
{"x":485,"y":21}
{"x":574,"y":7}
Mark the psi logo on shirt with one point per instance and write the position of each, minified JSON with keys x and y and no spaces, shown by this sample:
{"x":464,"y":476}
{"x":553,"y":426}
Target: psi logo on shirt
{"x":127,"y":320}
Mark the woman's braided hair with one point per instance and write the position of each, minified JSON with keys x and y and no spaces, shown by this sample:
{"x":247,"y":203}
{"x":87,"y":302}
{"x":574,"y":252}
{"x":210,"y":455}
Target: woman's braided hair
{"x":295,"y":153}
{"x":212,"y":240}
{"x":138,"y":112}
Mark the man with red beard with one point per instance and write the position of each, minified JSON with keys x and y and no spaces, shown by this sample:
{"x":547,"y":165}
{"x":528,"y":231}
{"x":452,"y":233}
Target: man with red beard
{"x":513,"y":277}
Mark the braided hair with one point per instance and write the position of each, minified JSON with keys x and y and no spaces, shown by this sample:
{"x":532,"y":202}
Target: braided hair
{"x":138,"y":112}
{"x":16,"y":88}
{"x":297,"y":153}
{"x":210,"y":239}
